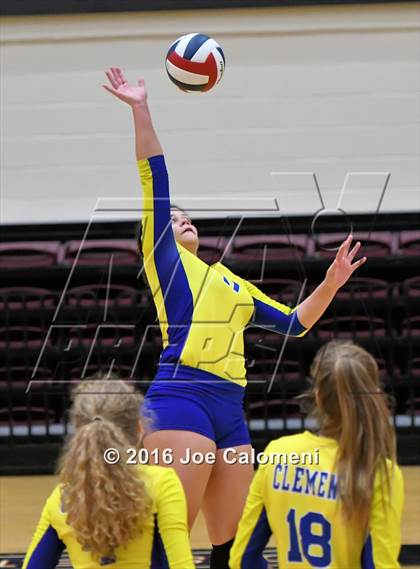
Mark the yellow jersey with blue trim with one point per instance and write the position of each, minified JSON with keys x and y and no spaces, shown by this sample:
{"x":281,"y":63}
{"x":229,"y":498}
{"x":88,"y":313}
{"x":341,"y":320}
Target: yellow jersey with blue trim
{"x":298,"y":502}
{"x":162,"y":544}
{"x":202,"y":310}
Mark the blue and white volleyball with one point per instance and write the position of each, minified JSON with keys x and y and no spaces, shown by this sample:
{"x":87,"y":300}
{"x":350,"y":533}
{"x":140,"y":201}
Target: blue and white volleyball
{"x":195,"y":63}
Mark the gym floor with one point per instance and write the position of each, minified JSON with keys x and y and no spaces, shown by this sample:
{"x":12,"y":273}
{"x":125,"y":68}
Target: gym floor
{"x":22,"y":499}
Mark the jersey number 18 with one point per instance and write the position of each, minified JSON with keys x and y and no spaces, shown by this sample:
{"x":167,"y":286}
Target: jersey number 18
{"x":307,"y":542}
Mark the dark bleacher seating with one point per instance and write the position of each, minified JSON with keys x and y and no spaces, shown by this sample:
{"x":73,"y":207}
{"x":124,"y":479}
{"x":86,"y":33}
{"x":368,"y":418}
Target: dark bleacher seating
{"x":269,"y":247}
{"x":273,"y":409}
{"x":411,"y":326}
{"x":363,"y":288}
{"x":406,"y":378}
{"x":411,"y":288}
{"x":30,"y":255}
{"x":409,"y":243}
{"x":415,"y":406}
{"x":374,"y":244}
{"x":27,"y":298}
{"x":15,"y":337}
{"x":100,"y":295}
{"x":263,"y":369}
{"x":23,"y":415}
{"x":285,"y":291}
{"x":270,"y":380}
{"x":17,"y":378}
{"x":95,"y":252}
{"x":212,"y":249}
{"x":379,"y":309}
{"x":104,"y":335}
{"x":81,"y":373}
{"x":100,"y":303}
{"x":350,"y":327}
{"x":413,"y":387}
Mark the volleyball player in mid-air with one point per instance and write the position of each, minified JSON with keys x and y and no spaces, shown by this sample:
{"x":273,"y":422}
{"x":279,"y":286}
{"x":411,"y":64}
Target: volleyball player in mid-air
{"x":197,"y":394}
{"x":112,"y":514}
{"x":346,"y":510}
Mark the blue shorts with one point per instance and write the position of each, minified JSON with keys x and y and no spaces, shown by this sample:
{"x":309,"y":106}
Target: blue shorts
{"x":199,"y":402}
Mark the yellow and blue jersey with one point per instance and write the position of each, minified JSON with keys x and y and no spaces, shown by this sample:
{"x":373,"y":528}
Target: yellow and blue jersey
{"x":202,"y":310}
{"x":163,"y":542}
{"x":300,"y":506}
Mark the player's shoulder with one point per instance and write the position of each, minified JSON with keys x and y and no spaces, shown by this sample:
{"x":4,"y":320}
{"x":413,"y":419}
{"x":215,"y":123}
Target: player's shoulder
{"x":391,"y":470}
{"x":53,"y":511}
{"x":54,"y":499}
{"x":221,"y":268}
{"x":224,"y":271}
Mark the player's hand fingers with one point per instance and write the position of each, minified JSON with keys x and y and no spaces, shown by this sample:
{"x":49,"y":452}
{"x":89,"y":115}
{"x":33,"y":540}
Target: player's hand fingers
{"x":347,"y":244}
{"x":141,"y":83}
{"x":120,"y":75}
{"x":111,"y":78}
{"x":339,"y":253}
{"x":114,"y":71}
{"x":358,"y":263}
{"x":354,"y":251}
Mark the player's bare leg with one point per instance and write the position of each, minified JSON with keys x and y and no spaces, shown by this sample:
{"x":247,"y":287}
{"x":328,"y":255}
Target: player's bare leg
{"x":223,"y":502}
{"x":194,"y":477}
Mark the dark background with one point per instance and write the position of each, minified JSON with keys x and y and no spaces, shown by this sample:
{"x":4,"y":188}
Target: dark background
{"x":31,"y":7}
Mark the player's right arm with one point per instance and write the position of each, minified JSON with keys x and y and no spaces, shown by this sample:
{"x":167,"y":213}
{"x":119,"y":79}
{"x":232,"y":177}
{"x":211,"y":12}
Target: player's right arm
{"x":173,"y":549}
{"x":46,"y":547}
{"x":147,"y":142}
{"x":160,"y":253}
{"x":383,"y":544}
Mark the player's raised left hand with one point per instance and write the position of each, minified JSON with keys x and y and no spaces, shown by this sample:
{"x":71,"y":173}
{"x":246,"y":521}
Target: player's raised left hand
{"x":343,"y":267}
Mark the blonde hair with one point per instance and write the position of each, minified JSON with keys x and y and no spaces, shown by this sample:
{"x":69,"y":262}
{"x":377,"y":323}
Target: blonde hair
{"x":106,"y":504}
{"x":353,"y":409}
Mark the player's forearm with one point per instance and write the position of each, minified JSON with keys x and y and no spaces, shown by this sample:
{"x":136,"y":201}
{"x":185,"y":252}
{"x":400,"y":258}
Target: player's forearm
{"x":312,"y":308}
{"x":147,"y":142}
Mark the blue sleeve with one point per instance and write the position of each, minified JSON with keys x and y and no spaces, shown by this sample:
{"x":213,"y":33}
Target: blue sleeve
{"x":273,"y":315}
{"x":45,"y":549}
{"x":164,"y":268}
{"x":383,"y":544}
{"x":253,"y":555}
{"x":254,"y":529}
{"x":159,"y":248}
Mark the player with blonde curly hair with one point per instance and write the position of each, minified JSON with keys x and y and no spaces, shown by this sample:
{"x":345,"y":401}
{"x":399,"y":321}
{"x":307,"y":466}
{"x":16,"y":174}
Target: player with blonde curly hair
{"x":119,"y":515}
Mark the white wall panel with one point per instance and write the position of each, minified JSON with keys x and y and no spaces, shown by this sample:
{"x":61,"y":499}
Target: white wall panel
{"x":328,"y":90}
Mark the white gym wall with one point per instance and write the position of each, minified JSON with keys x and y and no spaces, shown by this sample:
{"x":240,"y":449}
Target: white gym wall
{"x":328,"y":90}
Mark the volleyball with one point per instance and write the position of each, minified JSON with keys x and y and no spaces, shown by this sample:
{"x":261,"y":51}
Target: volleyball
{"x":195,"y":63}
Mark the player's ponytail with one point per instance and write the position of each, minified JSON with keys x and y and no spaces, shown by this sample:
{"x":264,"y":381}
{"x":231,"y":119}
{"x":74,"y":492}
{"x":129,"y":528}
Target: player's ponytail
{"x":106,"y":504}
{"x":353,"y":410}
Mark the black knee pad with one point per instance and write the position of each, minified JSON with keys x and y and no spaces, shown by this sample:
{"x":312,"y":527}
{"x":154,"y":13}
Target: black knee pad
{"x":219,"y":558}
